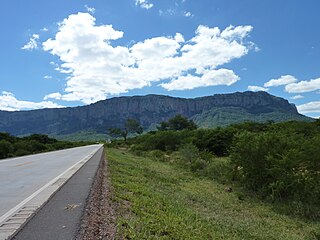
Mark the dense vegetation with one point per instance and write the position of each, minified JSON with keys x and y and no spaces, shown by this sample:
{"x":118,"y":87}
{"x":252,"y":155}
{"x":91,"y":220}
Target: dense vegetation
{"x":159,"y":200}
{"x":11,"y":146}
{"x":277,"y":162}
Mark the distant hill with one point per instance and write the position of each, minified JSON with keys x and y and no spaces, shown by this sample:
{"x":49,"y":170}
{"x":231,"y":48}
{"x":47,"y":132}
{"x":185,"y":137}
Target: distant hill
{"x":224,"y":116}
{"x":210,"y":111}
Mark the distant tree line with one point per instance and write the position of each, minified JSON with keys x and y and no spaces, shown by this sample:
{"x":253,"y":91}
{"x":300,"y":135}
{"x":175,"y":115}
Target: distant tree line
{"x":11,"y":146}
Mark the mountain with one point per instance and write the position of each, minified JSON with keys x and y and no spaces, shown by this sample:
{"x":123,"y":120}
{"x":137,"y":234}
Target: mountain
{"x":210,"y":111}
{"x":225,"y":116}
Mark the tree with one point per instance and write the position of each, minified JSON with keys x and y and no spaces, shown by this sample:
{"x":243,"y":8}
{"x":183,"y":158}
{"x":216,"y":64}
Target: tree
{"x":5,"y":148}
{"x":41,"y":138}
{"x":177,"y":123}
{"x":7,"y":137}
{"x":117,"y":132}
{"x":131,"y":126}
{"x":164,"y":126}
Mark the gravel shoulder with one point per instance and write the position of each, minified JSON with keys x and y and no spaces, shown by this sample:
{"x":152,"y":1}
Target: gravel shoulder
{"x":99,"y":219}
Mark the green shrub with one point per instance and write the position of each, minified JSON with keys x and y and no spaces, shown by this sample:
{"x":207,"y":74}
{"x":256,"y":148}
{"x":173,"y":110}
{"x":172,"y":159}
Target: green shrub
{"x":29,"y":146}
{"x":41,"y":138}
{"x":6,"y":149}
{"x":218,"y":141}
{"x":279,"y":165}
{"x":220,"y":169}
{"x":189,"y":153}
{"x":7,"y":137}
{"x":163,"y":141}
{"x":157,"y":155}
{"x":22,"y":152}
{"x":198,"y":165}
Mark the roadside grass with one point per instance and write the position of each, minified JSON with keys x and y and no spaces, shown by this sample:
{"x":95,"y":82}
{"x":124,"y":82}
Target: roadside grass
{"x":158,"y":200}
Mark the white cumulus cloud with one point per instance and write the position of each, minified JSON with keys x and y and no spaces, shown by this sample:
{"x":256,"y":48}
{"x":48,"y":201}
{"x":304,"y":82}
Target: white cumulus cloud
{"x":311,"y":107}
{"x":90,"y":9}
{"x":257,"y":88}
{"x":32,"y":44}
{"x":188,"y":14}
{"x":144,"y":4}
{"x":8,"y":102}
{"x":157,"y":48}
{"x":56,"y":95}
{"x":209,"y":78}
{"x":297,"y":97}
{"x":283,"y":80}
{"x":293,"y":85}
{"x":95,"y":68}
{"x":304,"y":86}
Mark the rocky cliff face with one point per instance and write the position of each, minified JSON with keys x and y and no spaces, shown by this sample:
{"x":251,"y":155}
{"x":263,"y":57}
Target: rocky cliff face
{"x":150,"y":109}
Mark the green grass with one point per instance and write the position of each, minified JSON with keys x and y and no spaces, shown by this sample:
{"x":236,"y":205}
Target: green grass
{"x":158,"y":200}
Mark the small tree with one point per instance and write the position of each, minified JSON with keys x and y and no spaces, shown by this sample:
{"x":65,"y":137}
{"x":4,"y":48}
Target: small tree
{"x":5,"y":148}
{"x":7,"y":137}
{"x":164,"y":126}
{"x":116,"y":133}
{"x":131,"y":126}
{"x":41,"y":138}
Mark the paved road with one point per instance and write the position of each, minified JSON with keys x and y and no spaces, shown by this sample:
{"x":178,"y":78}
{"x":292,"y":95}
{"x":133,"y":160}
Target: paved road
{"x":60,"y":217}
{"x":23,"y":176}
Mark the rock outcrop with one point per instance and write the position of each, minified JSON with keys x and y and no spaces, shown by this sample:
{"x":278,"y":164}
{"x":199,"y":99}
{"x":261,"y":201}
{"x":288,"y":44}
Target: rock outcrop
{"x":149,"y":110}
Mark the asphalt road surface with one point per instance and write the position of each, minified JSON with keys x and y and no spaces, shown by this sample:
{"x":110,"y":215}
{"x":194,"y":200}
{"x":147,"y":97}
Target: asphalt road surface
{"x":21,"y":177}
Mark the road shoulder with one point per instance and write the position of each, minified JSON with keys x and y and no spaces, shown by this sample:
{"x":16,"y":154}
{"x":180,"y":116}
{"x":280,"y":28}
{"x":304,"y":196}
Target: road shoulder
{"x":60,"y":217}
{"x":99,"y":221}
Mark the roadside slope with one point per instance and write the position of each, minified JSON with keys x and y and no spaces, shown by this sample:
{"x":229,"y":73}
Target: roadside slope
{"x":157,"y":200}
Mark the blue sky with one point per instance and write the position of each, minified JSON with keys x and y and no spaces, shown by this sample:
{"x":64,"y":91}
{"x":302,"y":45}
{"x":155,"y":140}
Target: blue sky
{"x":71,"y":53}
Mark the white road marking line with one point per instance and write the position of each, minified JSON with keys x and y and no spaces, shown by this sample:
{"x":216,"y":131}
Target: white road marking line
{"x":14,"y":209}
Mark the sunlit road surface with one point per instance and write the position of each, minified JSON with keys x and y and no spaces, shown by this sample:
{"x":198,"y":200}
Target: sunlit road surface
{"x":23,"y":177}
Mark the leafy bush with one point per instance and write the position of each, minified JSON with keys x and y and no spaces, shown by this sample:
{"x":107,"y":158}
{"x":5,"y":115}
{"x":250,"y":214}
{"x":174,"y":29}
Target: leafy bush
{"x":163,"y":141}
{"x":41,"y":138}
{"x":157,"y":155}
{"x":6,"y":148}
{"x":7,"y":137}
{"x":22,"y":152}
{"x":218,"y":141}
{"x":29,"y":146}
{"x":279,"y":165}
{"x":219,"y":169}
{"x":189,"y":153}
